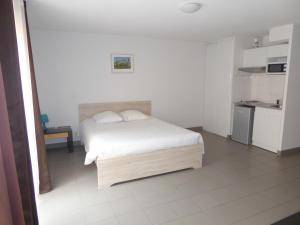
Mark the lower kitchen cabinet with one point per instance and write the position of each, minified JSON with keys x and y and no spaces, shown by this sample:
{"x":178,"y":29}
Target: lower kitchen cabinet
{"x":266,"y":128}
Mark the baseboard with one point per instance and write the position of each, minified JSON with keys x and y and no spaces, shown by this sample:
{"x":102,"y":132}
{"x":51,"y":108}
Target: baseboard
{"x":229,"y":137}
{"x":289,"y":151}
{"x":196,"y":129}
{"x":218,"y":135}
{"x":62,"y":145}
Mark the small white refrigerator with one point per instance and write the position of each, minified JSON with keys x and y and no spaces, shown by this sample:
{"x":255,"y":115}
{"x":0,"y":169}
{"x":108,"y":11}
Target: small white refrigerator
{"x":243,"y":124}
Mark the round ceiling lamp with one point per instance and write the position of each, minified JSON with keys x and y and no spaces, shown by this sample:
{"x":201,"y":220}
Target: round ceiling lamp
{"x":189,"y":7}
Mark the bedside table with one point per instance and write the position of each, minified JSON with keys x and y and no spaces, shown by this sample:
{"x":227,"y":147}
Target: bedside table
{"x":60,"y":132}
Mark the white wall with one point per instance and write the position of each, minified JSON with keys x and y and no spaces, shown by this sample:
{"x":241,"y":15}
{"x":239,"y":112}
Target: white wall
{"x":74,"y":68}
{"x":291,"y":103}
{"x":218,"y":86}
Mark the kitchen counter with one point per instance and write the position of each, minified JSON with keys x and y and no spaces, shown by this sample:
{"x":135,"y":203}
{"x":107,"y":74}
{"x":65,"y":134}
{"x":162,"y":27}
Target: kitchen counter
{"x":259,"y":104}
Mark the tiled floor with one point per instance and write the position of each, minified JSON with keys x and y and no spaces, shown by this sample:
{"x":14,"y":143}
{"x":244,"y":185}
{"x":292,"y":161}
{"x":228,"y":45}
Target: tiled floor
{"x":238,"y":185}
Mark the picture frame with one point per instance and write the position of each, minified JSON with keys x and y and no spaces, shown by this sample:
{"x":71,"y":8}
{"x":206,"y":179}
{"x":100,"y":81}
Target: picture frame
{"x":122,"y":63}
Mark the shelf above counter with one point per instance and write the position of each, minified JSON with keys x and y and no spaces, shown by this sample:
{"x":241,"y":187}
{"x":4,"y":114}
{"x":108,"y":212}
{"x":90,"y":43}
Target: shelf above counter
{"x":259,"y":104}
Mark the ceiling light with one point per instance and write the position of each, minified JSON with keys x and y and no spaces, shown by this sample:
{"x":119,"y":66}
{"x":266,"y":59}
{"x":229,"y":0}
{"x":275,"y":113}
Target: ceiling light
{"x":189,"y":7}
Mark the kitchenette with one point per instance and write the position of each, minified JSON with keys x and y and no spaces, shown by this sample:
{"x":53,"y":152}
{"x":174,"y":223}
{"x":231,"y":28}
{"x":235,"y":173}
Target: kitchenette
{"x":252,"y":89}
{"x":258,"y":115}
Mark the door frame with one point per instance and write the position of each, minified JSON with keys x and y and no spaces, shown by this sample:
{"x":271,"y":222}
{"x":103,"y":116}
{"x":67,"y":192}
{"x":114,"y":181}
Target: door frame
{"x":16,"y":120}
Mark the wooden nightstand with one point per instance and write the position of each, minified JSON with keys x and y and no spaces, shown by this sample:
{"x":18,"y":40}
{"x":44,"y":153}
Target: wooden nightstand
{"x":60,"y":132}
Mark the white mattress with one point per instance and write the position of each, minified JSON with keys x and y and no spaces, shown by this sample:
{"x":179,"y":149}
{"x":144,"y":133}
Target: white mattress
{"x":140,"y":136}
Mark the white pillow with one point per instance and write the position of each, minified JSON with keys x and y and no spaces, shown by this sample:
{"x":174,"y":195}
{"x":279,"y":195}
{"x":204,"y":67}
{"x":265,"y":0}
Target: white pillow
{"x":130,"y":115}
{"x":107,"y":117}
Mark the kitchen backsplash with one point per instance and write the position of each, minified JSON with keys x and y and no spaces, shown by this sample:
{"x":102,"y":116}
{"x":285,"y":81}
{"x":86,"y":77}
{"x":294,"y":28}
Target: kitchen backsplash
{"x":267,"y":88}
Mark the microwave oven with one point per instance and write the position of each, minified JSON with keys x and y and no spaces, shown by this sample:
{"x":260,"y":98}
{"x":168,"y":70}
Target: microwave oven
{"x":277,"y":65}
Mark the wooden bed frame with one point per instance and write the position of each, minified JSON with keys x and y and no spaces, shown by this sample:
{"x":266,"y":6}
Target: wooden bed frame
{"x":119,"y":169}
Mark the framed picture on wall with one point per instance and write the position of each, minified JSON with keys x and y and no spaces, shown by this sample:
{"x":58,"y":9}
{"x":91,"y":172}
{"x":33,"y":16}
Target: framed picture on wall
{"x":122,"y":63}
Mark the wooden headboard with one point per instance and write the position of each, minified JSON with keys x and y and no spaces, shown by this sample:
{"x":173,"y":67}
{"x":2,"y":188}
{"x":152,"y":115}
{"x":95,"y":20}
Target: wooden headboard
{"x":88,"y":110}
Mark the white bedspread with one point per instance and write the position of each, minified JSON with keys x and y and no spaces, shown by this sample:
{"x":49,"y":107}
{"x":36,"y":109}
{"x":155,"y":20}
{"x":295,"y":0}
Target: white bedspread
{"x":124,"y":138}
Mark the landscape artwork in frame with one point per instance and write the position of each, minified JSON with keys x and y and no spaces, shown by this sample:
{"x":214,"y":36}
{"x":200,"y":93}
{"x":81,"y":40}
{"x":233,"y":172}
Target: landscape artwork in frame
{"x":122,"y":63}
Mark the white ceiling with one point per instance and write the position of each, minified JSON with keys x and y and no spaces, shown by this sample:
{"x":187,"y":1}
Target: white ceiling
{"x":162,"y":18}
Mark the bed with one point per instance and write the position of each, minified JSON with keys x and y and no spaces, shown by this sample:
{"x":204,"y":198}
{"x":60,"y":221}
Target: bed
{"x":130,"y":150}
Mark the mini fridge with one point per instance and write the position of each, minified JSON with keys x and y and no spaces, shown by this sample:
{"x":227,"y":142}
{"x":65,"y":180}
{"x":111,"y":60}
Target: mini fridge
{"x":243,"y":124}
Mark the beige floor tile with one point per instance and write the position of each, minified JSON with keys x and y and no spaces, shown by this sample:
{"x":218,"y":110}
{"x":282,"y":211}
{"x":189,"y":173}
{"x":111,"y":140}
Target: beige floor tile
{"x":110,"y":221}
{"x":117,"y":192}
{"x":206,"y":200}
{"x":292,"y":188}
{"x":149,"y":185}
{"x":160,"y":214}
{"x":70,"y":217}
{"x":68,"y":201}
{"x":168,"y":195}
{"x":238,"y":210}
{"x":179,"y":221}
{"x":277,"y":195}
{"x":223,"y":195}
{"x":88,"y":199}
{"x":181,"y":177}
{"x":195,"y":187}
{"x":252,"y":204}
{"x":134,"y":218}
{"x":198,"y":218}
{"x":85,"y":188}
{"x":148,"y":200}
{"x":272,"y":215}
{"x":225,"y":179}
{"x":184,"y":207}
{"x":246,"y":173}
{"x":73,"y":219}
{"x":47,"y":218}
{"x":256,"y":184}
{"x":98,"y":212}
{"x":291,"y":173}
{"x":88,"y":180}
{"x":124,"y":205}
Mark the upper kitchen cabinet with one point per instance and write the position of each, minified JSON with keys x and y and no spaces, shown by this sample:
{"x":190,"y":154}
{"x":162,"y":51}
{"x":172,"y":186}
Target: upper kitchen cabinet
{"x":256,"y":57}
{"x":277,"y":51}
{"x":281,"y":33}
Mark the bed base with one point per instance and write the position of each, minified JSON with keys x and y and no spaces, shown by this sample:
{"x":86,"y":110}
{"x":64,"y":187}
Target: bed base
{"x":126,"y":168}
{"x":120,"y":169}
